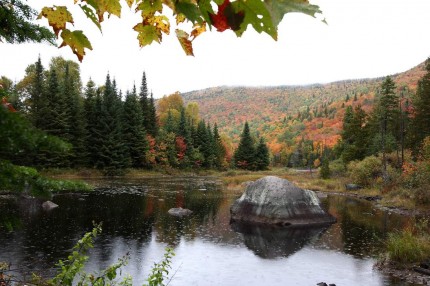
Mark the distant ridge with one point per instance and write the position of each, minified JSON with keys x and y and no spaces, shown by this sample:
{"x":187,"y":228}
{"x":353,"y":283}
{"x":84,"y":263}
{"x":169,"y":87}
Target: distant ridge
{"x":285,"y":114}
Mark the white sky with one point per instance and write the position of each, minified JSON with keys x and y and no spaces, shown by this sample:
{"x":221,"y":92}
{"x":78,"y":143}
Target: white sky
{"x":363,"y":39}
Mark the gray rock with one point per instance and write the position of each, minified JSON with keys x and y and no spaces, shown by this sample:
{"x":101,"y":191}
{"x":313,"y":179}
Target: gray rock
{"x":179,"y":212}
{"x":275,"y":201}
{"x":48,"y":205}
{"x":352,"y":187}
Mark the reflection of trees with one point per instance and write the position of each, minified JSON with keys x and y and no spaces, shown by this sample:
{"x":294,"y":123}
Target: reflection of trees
{"x":269,"y":242}
{"x":362,"y":227}
{"x":204,"y":204}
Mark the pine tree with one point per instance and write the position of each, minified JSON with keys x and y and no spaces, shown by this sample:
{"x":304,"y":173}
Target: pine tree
{"x":36,"y":91}
{"x":262,"y":159}
{"x":354,"y":134}
{"x":75,"y":118}
{"x":152,"y":128}
{"x":386,"y":115}
{"x":145,"y":102}
{"x":92,"y":113}
{"x":420,"y":125}
{"x":113,"y":158}
{"x":219,"y":149}
{"x":244,"y":154}
{"x":134,"y":133}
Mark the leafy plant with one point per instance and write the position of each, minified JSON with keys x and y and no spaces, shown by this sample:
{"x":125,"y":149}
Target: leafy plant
{"x":160,"y":270}
{"x":410,"y":245}
{"x":71,"y":271}
{"x":263,"y":16}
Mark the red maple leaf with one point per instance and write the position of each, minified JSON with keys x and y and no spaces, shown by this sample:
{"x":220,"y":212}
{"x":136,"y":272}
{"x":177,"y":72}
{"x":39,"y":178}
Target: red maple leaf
{"x":226,"y":18}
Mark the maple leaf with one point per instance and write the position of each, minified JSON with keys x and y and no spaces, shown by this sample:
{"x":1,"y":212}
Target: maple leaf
{"x":278,"y":8}
{"x":255,"y":14}
{"x":151,"y":30}
{"x":148,"y":8}
{"x":112,"y":7}
{"x":91,"y":15}
{"x":58,"y":17}
{"x":227,"y":17}
{"x":198,"y":29}
{"x":77,"y":41}
{"x":185,"y":42}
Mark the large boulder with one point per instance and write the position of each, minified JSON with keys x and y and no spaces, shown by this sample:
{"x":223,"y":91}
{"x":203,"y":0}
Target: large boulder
{"x":275,"y":201}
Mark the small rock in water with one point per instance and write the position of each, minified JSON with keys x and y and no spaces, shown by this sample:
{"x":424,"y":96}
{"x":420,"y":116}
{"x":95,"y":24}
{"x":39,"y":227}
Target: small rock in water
{"x":179,"y":212}
{"x":48,"y":205}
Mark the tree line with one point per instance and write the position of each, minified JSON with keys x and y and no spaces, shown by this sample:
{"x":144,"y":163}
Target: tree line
{"x":110,"y":131}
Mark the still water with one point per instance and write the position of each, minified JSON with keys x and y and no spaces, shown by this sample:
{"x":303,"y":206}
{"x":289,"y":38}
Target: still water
{"x":209,"y":251}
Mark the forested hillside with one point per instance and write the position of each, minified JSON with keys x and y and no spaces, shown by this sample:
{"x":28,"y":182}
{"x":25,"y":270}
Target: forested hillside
{"x":288,"y":115}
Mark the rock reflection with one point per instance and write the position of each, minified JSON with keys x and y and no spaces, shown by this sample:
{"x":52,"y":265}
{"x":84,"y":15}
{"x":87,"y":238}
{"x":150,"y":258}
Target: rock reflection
{"x":269,"y":242}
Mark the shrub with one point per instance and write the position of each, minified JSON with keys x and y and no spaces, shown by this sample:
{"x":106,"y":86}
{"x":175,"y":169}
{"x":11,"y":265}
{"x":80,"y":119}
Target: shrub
{"x":410,"y":245}
{"x":325,"y":169}
{"x":337,"y":168}
{"x":365,"y":172}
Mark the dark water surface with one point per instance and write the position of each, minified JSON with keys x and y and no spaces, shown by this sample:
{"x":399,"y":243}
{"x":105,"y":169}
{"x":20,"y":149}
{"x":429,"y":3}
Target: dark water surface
{"x":209,"y":251}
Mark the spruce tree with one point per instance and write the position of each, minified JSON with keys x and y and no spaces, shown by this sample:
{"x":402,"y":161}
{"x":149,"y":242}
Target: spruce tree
{"x":420,"y":125}
{"x":262,"y":159}
{"x":134,"y":133}
{"x":112,"y":155}
{"x":36,"y":91}
{"x":244,"y":154}
{"x":75,"y":116}
{"x":219,"y":149}
{"x":152,"y":128}
{"x":386,"y":115}
{"x":145,"y":102}
{"x":92,"y":113}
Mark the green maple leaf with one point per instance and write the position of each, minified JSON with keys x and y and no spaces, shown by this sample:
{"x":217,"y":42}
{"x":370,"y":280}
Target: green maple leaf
{"x":112,"y":7}
{"x":278,"y":8}
{"x":256,"y":14}
{"x":206,"y":9}
{"x":77,"y":41}
{"x":148,"y":8}
{"x":190,"y":10}
{"x":91,"y":15}
{"x":57,"y":16}
{"x":147,"y":34}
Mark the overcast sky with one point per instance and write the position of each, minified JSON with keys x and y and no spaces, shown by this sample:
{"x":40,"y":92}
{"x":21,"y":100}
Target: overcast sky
{"x":363,"y":39}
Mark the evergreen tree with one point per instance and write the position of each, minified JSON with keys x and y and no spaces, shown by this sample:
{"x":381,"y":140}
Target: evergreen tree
{"x":36,"y":92}
{"x":420,"y":125}
{"x":354,"y":134}
{"x":145,"y":103}
{"x":54,"y":119}
{"x":152,"y":128}
{"x":113,"y":158}
{"x":92,"y":113}
{"x":386,"y":115}
{"x":134,"y":133}
{"x":244,"y":154}
{"x":262,"y":159}
{"x":219,"y":149}
{"x":74,"y":115}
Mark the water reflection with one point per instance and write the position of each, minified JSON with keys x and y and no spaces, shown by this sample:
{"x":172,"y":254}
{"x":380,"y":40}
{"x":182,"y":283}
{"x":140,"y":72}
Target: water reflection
{"x":208,"y":249}
{"x":268,"y":242}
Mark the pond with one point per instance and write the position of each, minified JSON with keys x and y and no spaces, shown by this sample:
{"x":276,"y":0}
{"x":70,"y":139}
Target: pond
{"x":209,"y":251}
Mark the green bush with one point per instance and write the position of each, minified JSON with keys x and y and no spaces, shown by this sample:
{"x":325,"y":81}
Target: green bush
{"x":365,"y":172}
{"x":325,"y":169}
{"x":20,"y":179}
{"x":411,"y":245}
{"x":337,"y":168}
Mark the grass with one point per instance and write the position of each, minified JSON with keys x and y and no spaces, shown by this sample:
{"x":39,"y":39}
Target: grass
{"x":409,"y":246}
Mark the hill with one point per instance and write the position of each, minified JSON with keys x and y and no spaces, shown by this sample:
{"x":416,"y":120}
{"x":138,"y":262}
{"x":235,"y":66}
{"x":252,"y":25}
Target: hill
{"x":284,"y":115}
